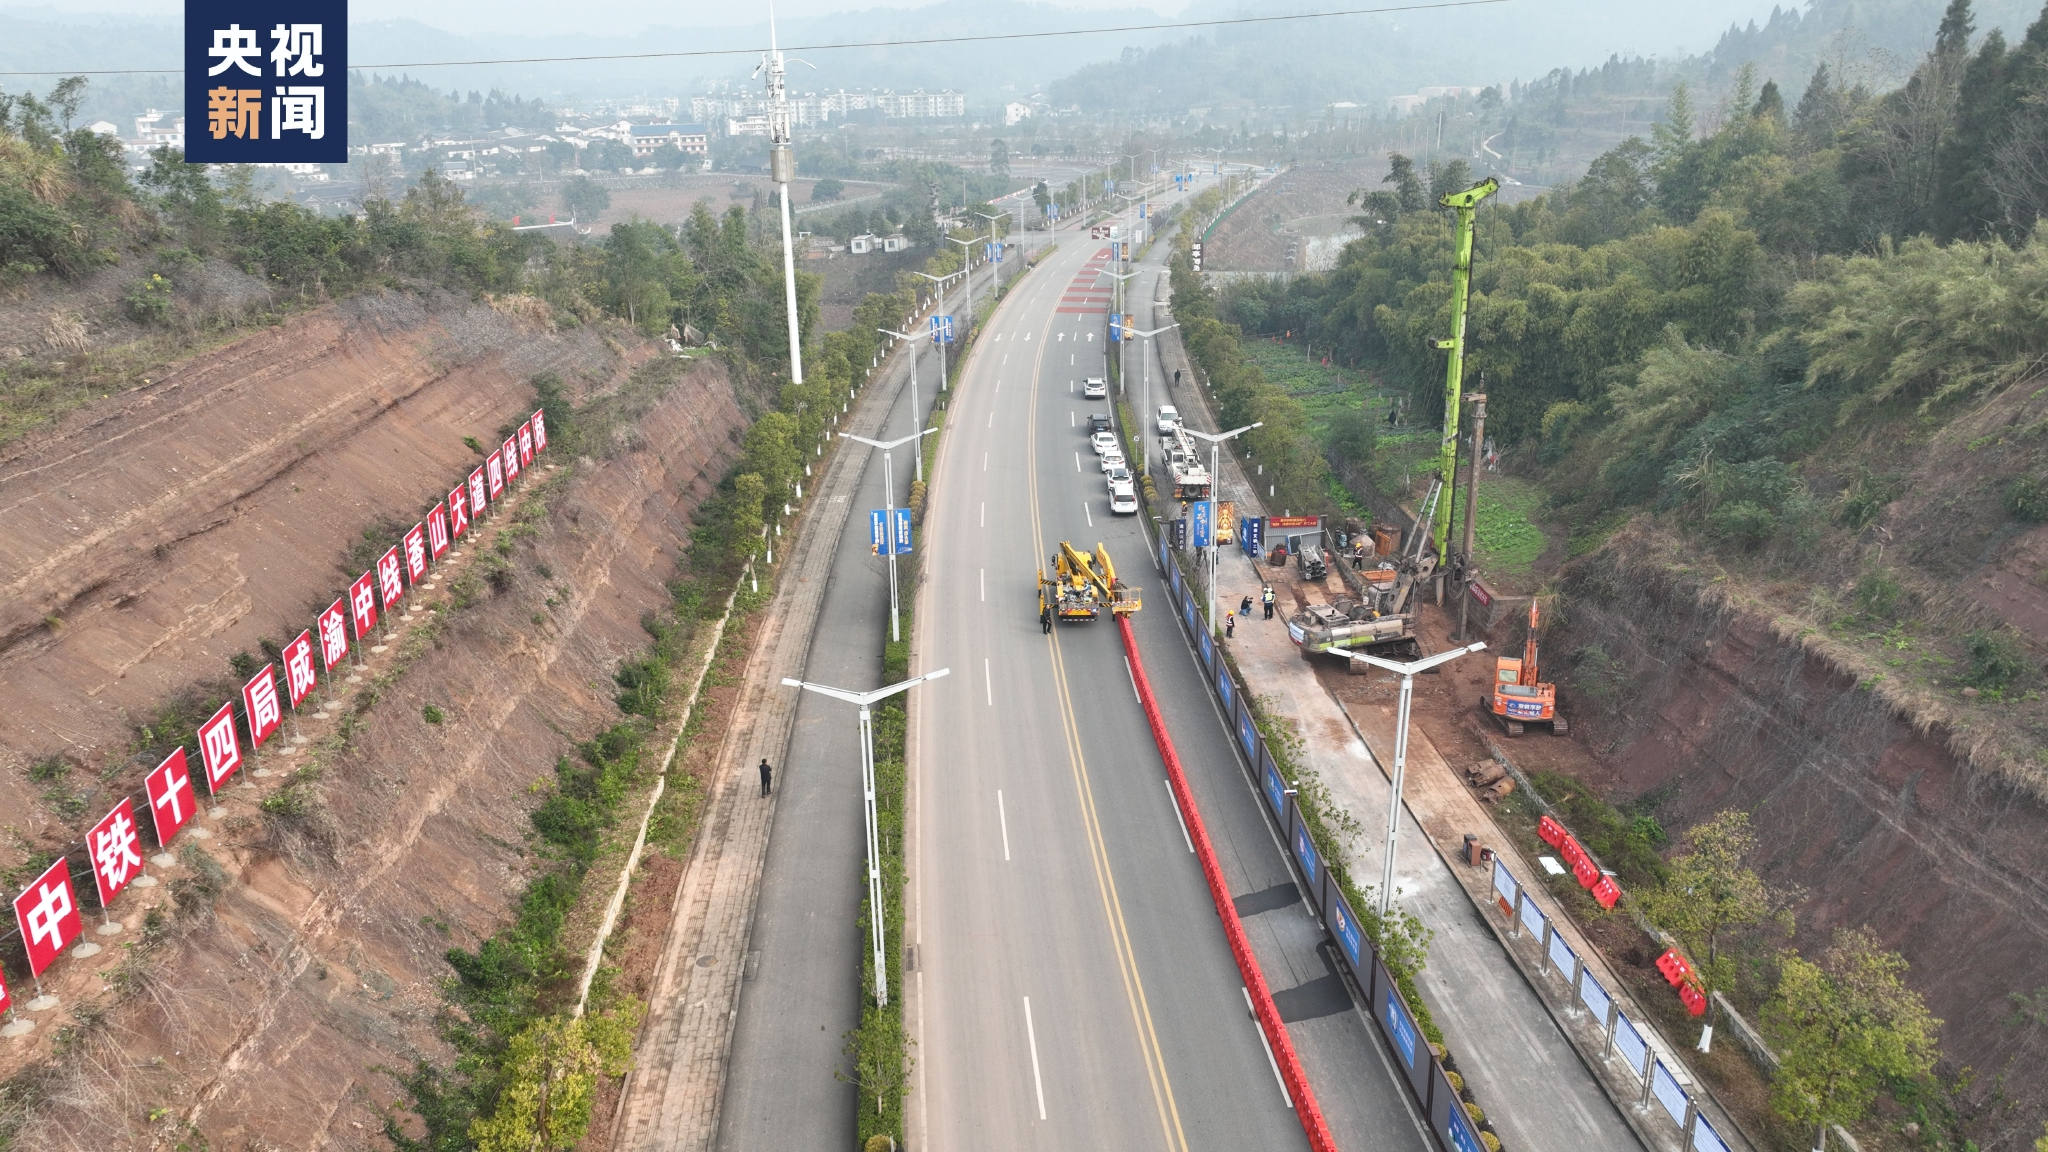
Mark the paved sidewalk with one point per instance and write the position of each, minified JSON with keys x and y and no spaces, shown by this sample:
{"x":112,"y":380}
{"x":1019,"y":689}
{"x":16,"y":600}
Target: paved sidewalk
{"x":673,"y":1095}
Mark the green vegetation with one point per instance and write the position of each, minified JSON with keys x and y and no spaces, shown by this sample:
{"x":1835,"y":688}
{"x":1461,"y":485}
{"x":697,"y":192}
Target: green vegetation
{"x":1845,"y":1026}
{"x":1626,"y":841}
{"x":1710,"y":897}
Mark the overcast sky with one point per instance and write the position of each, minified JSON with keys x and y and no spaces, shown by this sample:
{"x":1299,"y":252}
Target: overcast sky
{"x":1650,"y":26}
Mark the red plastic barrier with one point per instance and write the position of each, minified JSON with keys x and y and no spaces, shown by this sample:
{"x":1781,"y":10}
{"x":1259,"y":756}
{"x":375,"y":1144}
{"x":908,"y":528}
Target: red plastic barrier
{"x":1586,"y":872}
{"x":1551,"y":831}
{"x":1607,"y":892}
{"x":1676,"y":971}
{"x":1695,"y":1003}
{"x":1304,"y":1096}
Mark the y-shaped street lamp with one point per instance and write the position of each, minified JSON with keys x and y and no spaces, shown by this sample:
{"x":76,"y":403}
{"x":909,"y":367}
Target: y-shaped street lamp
{"x":967,"y":270}
{"x":941,"y":282}
{"x":1119,"y":277}
{"x":864,"y":700}
{"x":916,"y":416}
{"x":1216,"y":440}
{"x":993,"y":281}
{"x":889,"y":511}
{"x":1406,"y":670}
{"x":1145,"y":374}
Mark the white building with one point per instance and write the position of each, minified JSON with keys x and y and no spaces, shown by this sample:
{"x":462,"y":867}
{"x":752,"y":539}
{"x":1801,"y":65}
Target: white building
{"x":154,"y":129}
{"x":922,"y":105}
{"x":647,"y":139}
{"x":1014,"y":112}
{"x":754,"y":125}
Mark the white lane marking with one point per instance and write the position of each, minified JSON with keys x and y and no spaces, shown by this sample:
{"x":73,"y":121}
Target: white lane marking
{"x":999,"y":337}
{"x":1006,"y":355}
{"x":1027,"y":337}
{"x":1031,"y":1032}
{"x":1070,"y":360}
{"x":1088,"y":512}
{"x":1091,"y":337}
{"x":1077,"y":461}
{"x":991,"y":419}
{"x":984,"y":513}
{"x":1072,"y":420}
{"x":1177,"y":815}
{"x":984,"y":584}
{"x":1134,"y":682}
{"x":1005,"y":818}
{"x":984,"y":461}
{"x":1267,"y":1045}
{"x":1062,"y":337}
{"x":988,"y":682}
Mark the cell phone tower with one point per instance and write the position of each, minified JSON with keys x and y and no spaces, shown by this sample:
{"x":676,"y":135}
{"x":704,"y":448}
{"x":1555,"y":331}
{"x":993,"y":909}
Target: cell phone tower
{"x":782,"y":169}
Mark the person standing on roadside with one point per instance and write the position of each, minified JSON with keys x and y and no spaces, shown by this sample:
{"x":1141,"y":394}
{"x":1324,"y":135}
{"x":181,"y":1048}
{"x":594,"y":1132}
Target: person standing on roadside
{"x":767,"y":777}
{"x":1229,"y":625}
{"x":1266,"y":597}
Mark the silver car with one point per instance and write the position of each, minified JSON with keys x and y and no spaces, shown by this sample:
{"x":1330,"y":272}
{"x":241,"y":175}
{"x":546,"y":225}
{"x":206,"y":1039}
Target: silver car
{"x":1123,"y":499}
{"x":1094,"y":388}
{"x":1103,"y":442}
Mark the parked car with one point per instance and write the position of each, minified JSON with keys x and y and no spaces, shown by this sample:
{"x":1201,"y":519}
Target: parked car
{"x":1098,"y":422}
{"x":1119,"y":475}
{"x":1123,"y":499}
{"x":1114,"y":458}
{"x":1103,"y":442}
{"x":1094,"y":388}
{"x":1169,"y":419}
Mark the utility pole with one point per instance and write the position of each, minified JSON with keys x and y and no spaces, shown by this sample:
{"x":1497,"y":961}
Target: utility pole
{"x":878,"y":933}
{"x":782,"y":169}
{"x":967,"y":270}
{"x":1215,"y":471}
{"x":1118,"y":308}
{"x":1466,"y":204}
{"x":1471,"y":571}
{"x":889,"y":511}
{"x":993,"y":283}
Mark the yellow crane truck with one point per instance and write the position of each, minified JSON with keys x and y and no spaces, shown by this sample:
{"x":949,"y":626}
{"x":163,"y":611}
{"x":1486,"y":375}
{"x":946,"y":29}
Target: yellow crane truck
{"x":1082,"y":585}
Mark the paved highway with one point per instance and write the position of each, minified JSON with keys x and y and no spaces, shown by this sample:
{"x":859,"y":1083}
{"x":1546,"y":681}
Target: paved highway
{"x":1071,"y":986}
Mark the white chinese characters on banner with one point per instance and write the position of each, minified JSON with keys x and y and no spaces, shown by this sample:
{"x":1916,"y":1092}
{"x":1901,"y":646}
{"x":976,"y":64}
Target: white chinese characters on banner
{"x":509,"y":453}
{"x":525,"y":446}
{"x":494,"y":471}
{"x":477,"y":500}
{"x":415,"y":553}
{"x":171,"y":799}
{"x":298,"y":667}
{"x":220,"y":749}
{"x":540,"y":430}
{"x":362,"y":604}
{"x":114,"y":846}
{"x":437,"y":531}
{"x":458,"y":510}
{"x":48,"y":916}
{"x":389,"y":583}
{"x":259,"y":704}
{"x":333,"y":635}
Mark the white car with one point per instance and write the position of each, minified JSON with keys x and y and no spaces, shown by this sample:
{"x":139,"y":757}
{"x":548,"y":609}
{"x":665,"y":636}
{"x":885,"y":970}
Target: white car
{"x":1118,"y":475}
{"x":1114,"y":458}
{"x":1169,"y":419}
{"x":1123,"y":499}
{"x":1103,"y":442}
{"x":1094,"y":388}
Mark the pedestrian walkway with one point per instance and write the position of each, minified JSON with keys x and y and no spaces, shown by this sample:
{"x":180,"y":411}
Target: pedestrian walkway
{"x":673,"y":1095}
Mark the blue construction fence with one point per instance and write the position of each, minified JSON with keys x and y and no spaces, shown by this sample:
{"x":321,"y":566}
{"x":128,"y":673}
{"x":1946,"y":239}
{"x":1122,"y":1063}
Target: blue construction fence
{"x":1622,"y":1036}
{"x":1423,"y":1072}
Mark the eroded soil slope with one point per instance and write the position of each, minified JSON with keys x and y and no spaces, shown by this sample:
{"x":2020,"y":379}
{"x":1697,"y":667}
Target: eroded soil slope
{"x":148,"y":537}
{"x":279,"y":999}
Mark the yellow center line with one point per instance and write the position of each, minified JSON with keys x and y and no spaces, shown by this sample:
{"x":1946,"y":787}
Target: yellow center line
{"x":1098,"y":850}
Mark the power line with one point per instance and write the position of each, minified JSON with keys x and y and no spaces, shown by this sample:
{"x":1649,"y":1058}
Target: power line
{"x":1165,"y":27}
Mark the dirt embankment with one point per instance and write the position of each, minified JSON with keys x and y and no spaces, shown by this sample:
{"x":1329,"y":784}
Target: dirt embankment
{"x":1882,"y":825}
{"x":274,"y":1019}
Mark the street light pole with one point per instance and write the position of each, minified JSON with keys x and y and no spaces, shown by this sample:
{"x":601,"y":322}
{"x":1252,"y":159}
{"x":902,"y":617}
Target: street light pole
{"x":1216,"y":440}
{"x":1145,"y":374}
{"x":878,"y":931}
{"x":993,"y":284}
{"x":916,"y":416}
{"x":941,"y":282}
{"x":1407,"y":671}
{"x":967,"y":270}
{"x":889,"y":513}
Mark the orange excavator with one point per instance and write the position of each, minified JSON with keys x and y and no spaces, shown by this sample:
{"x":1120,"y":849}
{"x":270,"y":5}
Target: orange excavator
{"x":1519,"y":699}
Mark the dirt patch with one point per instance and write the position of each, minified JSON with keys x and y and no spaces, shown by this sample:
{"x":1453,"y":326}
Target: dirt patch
{"x":274,"y":1012}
